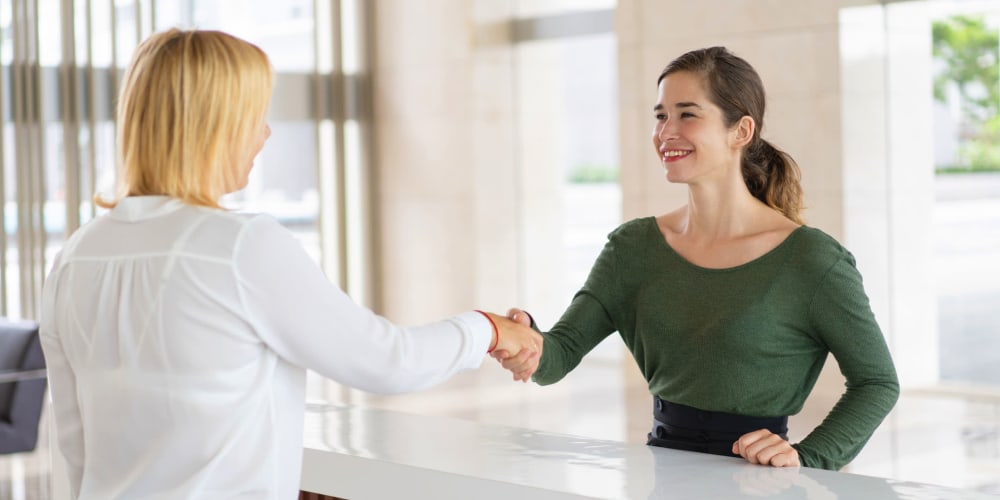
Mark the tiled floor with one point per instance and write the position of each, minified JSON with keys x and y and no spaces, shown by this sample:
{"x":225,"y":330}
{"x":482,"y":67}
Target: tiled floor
{"x":941,"y":436}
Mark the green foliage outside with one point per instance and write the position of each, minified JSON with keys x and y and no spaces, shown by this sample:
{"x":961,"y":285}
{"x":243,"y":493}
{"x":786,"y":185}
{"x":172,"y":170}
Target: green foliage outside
{"x":983,"y":153}
{"x":969,"y":55}
{"x":593,"y":173}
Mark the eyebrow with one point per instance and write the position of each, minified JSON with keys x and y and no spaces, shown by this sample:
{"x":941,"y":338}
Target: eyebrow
{"x":684,"y":104}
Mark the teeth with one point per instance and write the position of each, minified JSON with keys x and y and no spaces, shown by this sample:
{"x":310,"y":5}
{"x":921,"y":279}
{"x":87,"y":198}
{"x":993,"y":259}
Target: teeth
{"x":674,"y":153}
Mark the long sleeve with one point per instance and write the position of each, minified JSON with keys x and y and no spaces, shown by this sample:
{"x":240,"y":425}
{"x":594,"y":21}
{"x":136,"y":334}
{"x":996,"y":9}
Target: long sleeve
{"x":310,"y":322}
{"x":841,"y":315}
{"x":749,"y":340}
{"x":585,"y":323}
{"x":178,"y":338}
{"x":62,"y":384}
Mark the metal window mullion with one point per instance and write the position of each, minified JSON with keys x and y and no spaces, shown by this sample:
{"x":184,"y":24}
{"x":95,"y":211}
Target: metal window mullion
{"x":91,"y":109}
{"x":335,"y":87}
{"x":21,"y":150}
{"x":27,"y":150}
{"x":145,"y":19}
{"x":321,"y":103}
{"x":330,"y":185}
{"x":138,"y":21}
{"x":113,"y":75}
{"x":69,"y":88}
{"x":36,"y":272}
{"x":3,"y":190}
{"x":365,"y":117}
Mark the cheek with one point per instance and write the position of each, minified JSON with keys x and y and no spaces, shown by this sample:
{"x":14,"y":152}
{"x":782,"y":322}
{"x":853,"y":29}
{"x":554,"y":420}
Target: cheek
{"x":265,"y":136}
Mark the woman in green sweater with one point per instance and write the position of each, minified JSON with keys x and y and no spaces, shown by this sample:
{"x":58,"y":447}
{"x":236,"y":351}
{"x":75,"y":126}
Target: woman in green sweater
{"x":729,"y":304}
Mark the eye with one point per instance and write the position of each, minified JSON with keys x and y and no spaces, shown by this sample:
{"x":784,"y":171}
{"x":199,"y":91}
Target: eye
{"x":660,"y":116}
{"x":687,"y":115}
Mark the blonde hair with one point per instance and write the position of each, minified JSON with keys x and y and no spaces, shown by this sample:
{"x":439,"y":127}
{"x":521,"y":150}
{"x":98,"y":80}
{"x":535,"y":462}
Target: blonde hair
{"x":191,"y":103}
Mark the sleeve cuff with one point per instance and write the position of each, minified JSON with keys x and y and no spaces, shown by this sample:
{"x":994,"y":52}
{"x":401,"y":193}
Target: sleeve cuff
{"x":480,"y":331}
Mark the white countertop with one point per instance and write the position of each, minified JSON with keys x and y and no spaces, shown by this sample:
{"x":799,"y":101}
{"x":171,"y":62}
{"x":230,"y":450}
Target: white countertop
{"x":362,"y":453}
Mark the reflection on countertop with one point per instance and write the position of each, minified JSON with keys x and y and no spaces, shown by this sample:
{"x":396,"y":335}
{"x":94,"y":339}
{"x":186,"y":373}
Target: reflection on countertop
{"x":355,"y":452}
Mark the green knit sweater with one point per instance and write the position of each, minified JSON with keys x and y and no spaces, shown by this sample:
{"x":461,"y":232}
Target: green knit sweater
{"x":749,"y":340}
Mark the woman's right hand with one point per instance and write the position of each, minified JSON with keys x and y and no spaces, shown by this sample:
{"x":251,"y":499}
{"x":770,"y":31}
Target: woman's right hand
{"x":519,"y":315}
{"x":518,"y":347}
{"x":524,"y":363}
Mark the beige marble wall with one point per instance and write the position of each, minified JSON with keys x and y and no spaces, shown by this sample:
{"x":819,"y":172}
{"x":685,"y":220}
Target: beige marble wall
{"x":456,"y":212}
{"x":469,"y":182}
{"x":444,"y":155}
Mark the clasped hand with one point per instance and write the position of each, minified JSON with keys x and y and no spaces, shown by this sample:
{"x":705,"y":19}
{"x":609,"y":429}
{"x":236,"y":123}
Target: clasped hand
{"x":518,"y":347}
{"x":524,"y":363}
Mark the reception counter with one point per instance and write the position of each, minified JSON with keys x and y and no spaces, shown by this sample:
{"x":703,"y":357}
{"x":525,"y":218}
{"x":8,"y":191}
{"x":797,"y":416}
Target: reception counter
{"x":361,"y":453}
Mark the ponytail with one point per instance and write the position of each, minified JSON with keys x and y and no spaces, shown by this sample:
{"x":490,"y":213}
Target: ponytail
{"x":735,"y":87}
{"x":773,"y":178}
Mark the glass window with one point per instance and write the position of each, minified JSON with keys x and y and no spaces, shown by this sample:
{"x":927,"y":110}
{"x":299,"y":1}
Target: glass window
{"x":81,"y":64}
{"x":568,"y":125}
{"x":966,"y":76}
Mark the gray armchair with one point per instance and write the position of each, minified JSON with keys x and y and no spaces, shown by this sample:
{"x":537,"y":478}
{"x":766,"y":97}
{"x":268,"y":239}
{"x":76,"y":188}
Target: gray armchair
{"x":22,"y":385}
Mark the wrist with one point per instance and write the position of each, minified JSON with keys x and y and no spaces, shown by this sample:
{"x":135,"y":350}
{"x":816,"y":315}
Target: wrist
{"x":496,"y":332}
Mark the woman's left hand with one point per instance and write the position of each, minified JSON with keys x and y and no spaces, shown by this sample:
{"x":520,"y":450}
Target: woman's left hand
{"x":766,"y":448}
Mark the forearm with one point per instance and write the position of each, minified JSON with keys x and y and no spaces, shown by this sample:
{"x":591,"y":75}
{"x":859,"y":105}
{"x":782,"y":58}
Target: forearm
{"x":853,"y":420}
{"x":584,"y":324}
{"x":845,"y":323}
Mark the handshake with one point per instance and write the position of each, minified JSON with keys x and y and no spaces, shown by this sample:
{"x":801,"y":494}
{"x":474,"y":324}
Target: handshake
{"x":519,"y":347}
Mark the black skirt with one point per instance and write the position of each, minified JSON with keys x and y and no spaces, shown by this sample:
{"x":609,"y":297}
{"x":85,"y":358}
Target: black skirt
{"x":686,"y":428}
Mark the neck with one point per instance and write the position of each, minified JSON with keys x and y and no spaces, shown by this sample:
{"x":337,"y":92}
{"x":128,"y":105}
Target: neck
{"x":722,"y":210}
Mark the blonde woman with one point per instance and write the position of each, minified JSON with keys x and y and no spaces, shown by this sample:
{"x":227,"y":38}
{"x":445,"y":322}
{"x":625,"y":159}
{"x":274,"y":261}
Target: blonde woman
{"x":177,"y":333}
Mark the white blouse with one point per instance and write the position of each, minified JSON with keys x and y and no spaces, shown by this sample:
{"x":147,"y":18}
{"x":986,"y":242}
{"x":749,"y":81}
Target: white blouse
{"x":177,"y":339}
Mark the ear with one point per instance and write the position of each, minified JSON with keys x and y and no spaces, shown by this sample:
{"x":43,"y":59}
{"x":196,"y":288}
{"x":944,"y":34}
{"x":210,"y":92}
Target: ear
{"x":742,"y":132}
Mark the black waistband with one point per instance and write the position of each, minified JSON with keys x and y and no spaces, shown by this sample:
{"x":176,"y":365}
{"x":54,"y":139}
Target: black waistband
{"x":677,"y":420}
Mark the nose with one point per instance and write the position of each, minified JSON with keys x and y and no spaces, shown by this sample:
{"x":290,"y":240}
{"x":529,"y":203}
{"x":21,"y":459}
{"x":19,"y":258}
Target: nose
{"x":267,"y":131}
{"x":667,"y":130}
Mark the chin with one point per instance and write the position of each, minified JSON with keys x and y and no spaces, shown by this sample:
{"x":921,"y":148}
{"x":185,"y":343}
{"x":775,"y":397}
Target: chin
{"x":674,"y":178}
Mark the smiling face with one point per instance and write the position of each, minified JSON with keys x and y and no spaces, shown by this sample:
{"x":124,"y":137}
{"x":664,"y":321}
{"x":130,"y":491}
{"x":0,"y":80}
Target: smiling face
{"x":690,"y":136}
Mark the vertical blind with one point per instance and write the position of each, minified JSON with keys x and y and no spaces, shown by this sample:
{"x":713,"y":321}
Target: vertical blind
{"x":61,"y":65}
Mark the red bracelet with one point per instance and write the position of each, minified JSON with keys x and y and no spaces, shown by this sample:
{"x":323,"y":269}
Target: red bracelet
{"x":496,"y":331}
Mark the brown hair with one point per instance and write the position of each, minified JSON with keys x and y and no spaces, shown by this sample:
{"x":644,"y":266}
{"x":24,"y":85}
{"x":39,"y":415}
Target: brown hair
{"x":191,"y":102}
{"x":770,"y":174}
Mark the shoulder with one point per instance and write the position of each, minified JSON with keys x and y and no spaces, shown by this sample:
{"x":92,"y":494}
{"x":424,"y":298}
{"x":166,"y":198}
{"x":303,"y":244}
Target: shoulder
{"x":262,"y":236}
{"x":224,"y":234}
{"x":255,"y":228}
{"x":82,"y":236}
{"x":632,"y":237}
{"x":817,"y":252}
{"x":235,"y":224}
{"x":817,"y":240}
{"x":635,"y":229}
{"x":83,"y":232}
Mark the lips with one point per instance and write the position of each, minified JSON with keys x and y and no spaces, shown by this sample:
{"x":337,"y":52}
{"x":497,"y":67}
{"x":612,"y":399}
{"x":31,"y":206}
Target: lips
{"x":674,"y":154}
